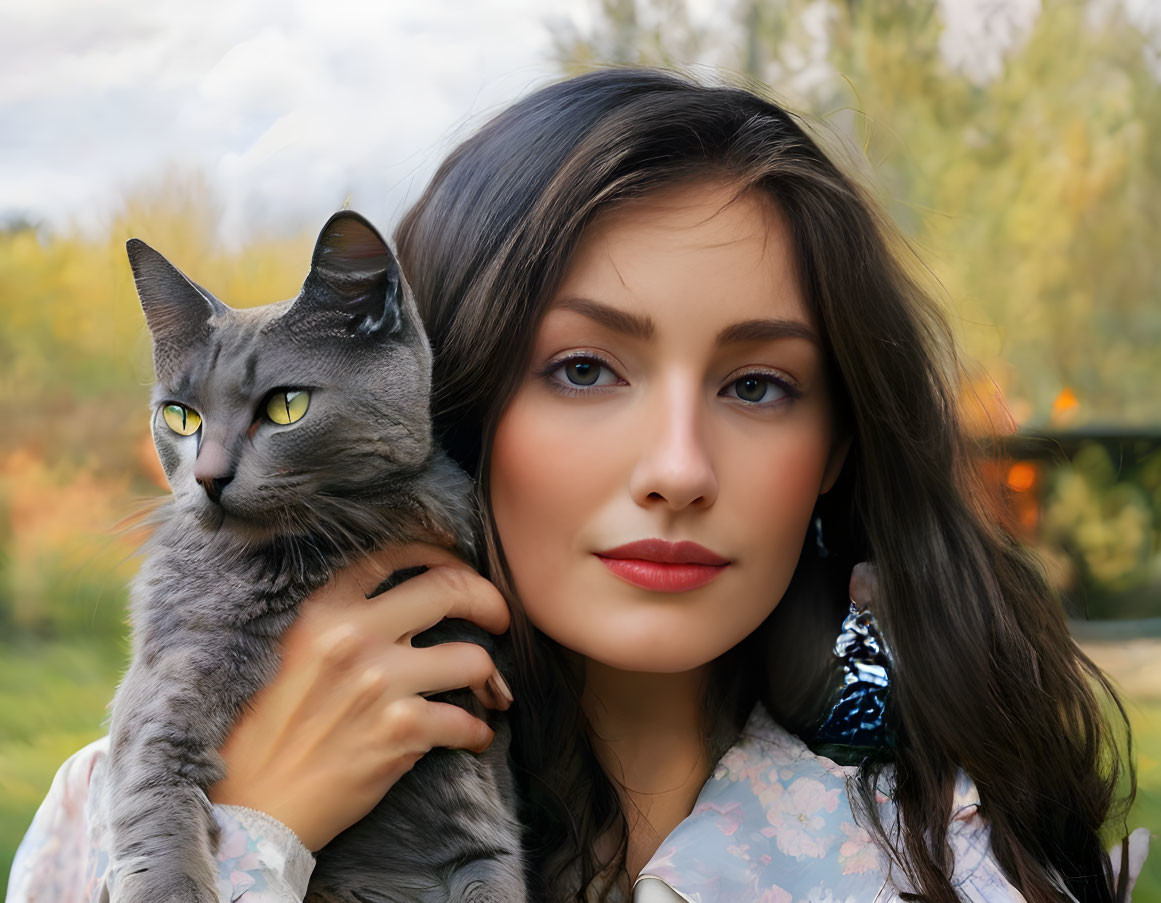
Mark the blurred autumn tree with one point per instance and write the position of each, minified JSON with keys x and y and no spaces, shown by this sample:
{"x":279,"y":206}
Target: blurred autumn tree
{"x":1030,"y":183}
{"x":76,"y":456}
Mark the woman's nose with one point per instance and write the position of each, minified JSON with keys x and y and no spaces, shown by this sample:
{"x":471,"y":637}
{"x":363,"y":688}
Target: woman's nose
{"x":675,"y":464}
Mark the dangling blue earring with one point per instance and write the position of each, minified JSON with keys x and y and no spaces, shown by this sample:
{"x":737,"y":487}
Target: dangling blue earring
{"x":819,"y":546}
{"x":857,"y":723}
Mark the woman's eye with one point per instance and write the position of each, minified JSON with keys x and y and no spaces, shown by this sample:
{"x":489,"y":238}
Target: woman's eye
{"x":756,"y":389}
{"x":583,"y":372}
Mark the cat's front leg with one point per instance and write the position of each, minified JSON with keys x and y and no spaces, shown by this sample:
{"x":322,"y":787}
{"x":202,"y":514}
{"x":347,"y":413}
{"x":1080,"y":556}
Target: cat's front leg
{"x":164,"y":840}
{"x":175,"y":886}
{"x":163,"y":757}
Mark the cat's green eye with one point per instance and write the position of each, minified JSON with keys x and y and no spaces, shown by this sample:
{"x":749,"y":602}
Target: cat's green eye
{"x":182,"y":420}
{"x":287,"y":407}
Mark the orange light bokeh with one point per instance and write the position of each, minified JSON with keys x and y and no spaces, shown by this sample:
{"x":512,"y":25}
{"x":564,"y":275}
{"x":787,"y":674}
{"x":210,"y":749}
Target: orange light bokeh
{"x":1021,"y":476}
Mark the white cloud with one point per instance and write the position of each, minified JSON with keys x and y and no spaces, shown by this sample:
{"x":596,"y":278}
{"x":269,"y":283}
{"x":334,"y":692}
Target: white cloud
{"x":287,"y":106}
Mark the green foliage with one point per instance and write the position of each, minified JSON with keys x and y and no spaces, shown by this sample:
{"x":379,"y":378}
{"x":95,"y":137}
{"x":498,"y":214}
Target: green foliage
{"x":1108,"y":521}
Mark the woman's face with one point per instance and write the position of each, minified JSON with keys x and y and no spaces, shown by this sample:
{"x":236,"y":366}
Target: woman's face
{"x":676,"y":396}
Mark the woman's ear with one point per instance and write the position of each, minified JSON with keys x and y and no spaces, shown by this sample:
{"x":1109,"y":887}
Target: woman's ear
{"x":834,"y":463}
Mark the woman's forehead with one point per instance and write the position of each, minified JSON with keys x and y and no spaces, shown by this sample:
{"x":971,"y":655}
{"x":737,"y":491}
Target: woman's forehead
{"x":703,"y":249}
{"x":692,"y":209}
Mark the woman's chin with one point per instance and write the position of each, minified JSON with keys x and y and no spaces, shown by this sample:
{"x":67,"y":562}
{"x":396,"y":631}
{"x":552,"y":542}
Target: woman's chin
{"x":656,"y":643}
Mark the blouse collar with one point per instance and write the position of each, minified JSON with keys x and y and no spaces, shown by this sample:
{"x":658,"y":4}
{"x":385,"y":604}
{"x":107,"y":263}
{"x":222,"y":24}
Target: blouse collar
{"x":772,"y":824}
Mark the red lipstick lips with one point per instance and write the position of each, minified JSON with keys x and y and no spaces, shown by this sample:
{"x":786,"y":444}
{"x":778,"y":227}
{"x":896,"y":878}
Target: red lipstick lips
{"x":667,"y":567}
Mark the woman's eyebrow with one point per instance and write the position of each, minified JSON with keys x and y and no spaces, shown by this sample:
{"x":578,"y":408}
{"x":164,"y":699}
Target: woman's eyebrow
{"x":632,"y":325}
{"x":642,"y":327}
{"x":766,"y":330}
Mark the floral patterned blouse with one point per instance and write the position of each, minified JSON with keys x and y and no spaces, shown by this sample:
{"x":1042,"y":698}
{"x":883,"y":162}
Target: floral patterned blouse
{"x":772,"y":825}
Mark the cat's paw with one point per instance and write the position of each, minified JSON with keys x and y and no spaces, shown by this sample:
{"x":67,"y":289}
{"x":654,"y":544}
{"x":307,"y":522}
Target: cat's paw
{"x":484,"y":892}
{"x":150,"y":887}
{"x":488,"y":880}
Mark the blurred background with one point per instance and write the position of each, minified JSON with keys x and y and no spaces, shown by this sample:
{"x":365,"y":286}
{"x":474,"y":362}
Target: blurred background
{"x":1017,"y":144}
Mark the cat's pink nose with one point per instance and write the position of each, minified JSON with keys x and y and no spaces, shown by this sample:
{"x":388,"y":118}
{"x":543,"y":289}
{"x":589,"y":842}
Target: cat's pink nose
{"x":213,"y":469}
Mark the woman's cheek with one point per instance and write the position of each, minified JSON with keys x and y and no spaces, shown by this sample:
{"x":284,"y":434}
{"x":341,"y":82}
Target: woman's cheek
{"x":771,"y":498}
{"x":546,"y":478}
{"x":781,"y":499}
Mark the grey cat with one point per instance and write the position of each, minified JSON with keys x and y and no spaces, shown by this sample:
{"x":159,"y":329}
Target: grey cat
{"x":296,"y":438}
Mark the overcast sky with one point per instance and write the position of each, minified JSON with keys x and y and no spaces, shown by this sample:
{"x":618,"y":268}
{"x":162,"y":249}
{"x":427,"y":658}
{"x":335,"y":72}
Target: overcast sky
{"x":289,"y":106}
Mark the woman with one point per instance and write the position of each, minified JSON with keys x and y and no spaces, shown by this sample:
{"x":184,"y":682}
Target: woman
{"x":696,"y":387}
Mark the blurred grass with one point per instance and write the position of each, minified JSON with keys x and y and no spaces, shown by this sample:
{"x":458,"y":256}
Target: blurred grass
{"x":52,"y":702}
{"x":1145,"y":717}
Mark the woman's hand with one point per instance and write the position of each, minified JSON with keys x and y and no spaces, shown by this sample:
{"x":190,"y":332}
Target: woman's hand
{"x":345,"y":716}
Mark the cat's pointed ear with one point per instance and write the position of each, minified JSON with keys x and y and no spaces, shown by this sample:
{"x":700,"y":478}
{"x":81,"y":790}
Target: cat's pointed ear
{"x":359,"y":275}
{"x":176,"y":309}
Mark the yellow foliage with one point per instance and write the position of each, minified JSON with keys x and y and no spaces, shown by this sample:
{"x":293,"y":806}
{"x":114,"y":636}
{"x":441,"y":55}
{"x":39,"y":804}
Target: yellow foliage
{"x":76,"y":457}
{"x":77,"y":367}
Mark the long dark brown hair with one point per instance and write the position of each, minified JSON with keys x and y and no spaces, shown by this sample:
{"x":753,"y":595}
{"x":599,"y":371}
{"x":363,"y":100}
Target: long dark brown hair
{"x":987,"y":677}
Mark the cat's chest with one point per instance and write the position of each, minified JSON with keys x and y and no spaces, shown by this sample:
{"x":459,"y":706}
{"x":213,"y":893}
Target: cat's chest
{"x":209,"y":584}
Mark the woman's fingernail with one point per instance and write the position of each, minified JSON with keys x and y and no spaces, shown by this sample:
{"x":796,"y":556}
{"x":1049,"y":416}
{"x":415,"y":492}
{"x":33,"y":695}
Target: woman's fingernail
{"x":501,"y":687}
